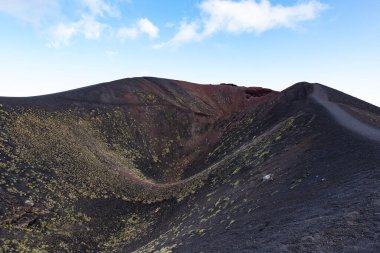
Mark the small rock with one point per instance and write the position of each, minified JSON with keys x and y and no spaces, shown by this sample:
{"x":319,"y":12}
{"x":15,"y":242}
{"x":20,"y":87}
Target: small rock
{"x":29,"y":202}
{"x":267,"y":177}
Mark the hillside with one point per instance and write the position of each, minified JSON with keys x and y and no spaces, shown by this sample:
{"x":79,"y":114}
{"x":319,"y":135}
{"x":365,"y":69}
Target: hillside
{"x":157,"y":165}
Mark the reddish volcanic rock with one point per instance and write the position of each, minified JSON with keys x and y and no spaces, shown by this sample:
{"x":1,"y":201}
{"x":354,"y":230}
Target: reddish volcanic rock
{"x":169,"y":109}
{"x":159,"y":110}
{"x":213,"y":101}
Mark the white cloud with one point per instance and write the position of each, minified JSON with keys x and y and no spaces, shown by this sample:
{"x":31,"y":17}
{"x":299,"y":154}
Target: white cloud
{"x":91,"y":28}
{"x":125,"y":33}
{"x":142,"y":26}
{"x":147,"y":27}
{"x":187,"y":32}
{"x":62,"y":35}
{"x":249,"y":16}
{"x":87,"y":26}
{"x":32,"y":11}
{"x":101,"y":7}
{"x":87,"y":19}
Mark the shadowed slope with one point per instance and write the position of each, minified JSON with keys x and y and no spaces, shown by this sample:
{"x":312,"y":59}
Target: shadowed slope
{"x":156,"y":165}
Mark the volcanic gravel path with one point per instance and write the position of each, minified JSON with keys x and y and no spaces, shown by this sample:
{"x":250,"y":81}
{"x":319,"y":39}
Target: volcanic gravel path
{"x":342,"y":117}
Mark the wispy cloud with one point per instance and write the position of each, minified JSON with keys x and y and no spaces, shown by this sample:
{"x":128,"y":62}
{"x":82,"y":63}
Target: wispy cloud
{"x":93,"y":19}
{"x":32,"y":11}
{"x":147,"y":27}
{"x":62,"y":34}
{"x":127,"y":33}
{"x":101,"y":7}
{"x":142,"y":26}
{"x":244,"y":16}
{"x":187,"y":32}
{"x":84,"y":19}
{"x":87,"y":26}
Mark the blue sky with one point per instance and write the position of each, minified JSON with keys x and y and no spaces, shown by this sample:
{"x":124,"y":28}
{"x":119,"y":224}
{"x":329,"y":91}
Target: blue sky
{"x":55,"y":45}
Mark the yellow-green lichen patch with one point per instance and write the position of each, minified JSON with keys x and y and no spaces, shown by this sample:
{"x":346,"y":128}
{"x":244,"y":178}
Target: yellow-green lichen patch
{"x":133,"y":228}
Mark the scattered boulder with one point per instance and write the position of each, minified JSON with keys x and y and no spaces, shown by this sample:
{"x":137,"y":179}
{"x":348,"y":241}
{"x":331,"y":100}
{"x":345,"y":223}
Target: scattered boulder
{"x":29,"y":202}
{"x":267,"y":177}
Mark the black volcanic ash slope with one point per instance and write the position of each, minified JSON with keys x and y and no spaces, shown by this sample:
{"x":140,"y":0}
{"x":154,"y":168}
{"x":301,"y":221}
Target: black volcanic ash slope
{"x":156,"y":165}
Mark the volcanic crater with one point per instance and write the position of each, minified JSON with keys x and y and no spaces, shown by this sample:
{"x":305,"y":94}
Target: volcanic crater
{"x":157,"y":165}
